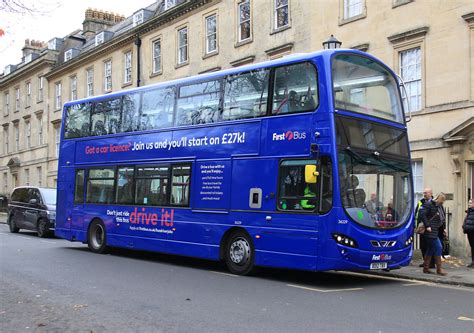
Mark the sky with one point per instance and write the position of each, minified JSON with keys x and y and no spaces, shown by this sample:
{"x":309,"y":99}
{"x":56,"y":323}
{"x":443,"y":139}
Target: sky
{"x":53,"y":18}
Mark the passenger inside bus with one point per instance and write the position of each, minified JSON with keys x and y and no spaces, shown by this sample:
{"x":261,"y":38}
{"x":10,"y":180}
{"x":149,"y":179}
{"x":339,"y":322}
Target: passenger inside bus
{"x":353,"y":196}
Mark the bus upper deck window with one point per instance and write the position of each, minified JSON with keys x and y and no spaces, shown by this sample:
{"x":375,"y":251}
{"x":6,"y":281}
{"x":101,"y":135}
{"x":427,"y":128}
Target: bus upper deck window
{"x":295,"y":89}
{"x":77,"y":123}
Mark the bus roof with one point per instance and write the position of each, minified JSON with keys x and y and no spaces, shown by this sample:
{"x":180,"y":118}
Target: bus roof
{"x":292,"y":58}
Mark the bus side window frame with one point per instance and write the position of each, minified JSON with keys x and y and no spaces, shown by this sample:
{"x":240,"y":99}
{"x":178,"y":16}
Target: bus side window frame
{"x":325,"y":163}
{"x":170,"y":183}
{"x":272,"y":91}
{"x":113,"y":186}
{"x":76,"y":202}
{"x":115,"y":199}
{"x":317,"y":196}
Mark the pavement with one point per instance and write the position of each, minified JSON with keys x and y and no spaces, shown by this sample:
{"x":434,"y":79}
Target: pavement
{"x":458,"y":273}
{"x":51,"y":285}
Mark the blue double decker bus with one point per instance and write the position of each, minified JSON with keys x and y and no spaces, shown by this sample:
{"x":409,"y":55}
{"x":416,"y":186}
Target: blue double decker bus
{"x":301,"y":162}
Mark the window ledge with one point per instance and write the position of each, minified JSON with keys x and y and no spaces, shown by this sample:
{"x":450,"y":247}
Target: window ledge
{"x":352,"y":19}
{"x":155,"y":74}
{"x":39,"y":101}
{"x":242,"y":61}
{"x":280,"y":29}
{"x":128,"y":84}
{"x":244,"y":42}
{"x":182,"y":64}
{"x":398,"y":3}
{"x":408,"y":35}
{"x":210,"y":54}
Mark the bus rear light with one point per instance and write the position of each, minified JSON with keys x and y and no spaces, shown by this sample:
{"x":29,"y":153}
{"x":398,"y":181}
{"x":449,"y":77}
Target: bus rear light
{"x":344,"y":240}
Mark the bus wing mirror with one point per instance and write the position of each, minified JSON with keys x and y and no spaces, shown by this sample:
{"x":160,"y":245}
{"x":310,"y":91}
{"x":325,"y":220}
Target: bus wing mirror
{"x":311,"y":174}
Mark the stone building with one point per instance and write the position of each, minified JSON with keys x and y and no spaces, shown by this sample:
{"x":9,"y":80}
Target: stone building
{"x":24,"y":118}
{"x":429,"y":42}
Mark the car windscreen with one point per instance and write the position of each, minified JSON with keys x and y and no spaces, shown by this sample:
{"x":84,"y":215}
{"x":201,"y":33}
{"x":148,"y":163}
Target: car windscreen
{"x":49,"y":196}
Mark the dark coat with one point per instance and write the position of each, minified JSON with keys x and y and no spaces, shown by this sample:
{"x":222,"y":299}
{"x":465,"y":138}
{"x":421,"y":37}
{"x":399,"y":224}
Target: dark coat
{"x":431,"y":218}
{"x":468,"y":225}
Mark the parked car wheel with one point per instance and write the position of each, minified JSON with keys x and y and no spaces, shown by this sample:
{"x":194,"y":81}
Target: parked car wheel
{"x":42,"y":228}
{"x":11,"y":224}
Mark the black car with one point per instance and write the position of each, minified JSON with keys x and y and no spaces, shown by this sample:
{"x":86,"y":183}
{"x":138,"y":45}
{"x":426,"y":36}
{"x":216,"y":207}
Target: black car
{"x":32,"y":208}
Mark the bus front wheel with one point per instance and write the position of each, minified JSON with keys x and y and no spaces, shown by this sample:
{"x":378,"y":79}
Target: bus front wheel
{"x":96,"y":238}
{"x":239,"y":253}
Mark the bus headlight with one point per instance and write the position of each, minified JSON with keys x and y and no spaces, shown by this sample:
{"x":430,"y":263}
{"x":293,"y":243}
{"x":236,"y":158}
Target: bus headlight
{"x":344,"y":240}
{"x":409,"y":241}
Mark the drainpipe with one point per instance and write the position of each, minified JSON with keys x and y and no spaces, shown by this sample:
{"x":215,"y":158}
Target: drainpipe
{"x":138,"y":43}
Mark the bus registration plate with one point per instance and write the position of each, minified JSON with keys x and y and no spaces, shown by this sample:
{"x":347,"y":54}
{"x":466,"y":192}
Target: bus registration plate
{"x":378,"y":265}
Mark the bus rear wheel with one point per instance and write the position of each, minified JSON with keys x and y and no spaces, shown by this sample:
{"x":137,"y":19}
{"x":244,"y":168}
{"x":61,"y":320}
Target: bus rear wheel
{"x":96,"y":238}
{"x":239,"y":253}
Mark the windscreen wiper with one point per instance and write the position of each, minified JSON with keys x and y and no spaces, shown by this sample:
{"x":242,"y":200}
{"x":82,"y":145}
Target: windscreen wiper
{"x":358,"y":158}
{"x":391,"y":142}
{"x":376,"y":155}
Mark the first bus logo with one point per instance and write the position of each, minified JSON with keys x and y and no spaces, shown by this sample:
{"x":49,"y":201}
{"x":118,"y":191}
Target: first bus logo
{"x":289,"y":136}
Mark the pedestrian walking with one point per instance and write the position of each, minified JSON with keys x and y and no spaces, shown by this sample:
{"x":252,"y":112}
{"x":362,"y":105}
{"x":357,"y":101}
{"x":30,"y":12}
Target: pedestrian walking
{"x":427,"y":196}
{"x":468,"y":228}
{"x":433,"y":218}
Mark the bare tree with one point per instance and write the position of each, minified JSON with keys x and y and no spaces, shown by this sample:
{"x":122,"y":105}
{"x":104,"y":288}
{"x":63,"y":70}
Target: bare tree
{"x":21,"y":7}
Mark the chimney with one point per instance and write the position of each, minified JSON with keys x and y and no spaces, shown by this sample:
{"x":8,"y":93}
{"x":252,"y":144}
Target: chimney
{"x":97,"y":20}
{"x":31,"y":49}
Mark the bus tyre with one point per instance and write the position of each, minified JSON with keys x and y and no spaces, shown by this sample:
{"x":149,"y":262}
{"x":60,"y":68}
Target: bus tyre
{"x":12,"y":226}
{"x":42,"y":228}
{"x":239,"y":253}
{"x":96,"y":238}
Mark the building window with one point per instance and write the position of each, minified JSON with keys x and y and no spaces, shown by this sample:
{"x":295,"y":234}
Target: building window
{"x":138,"y":18}
{"x":108,"y":75}
{"x":211,"y":34}
{"x":40,"y":130}
{"x":73,"y":82}
{"x":68,"y":55}
{"x":169,"y":4}
{"x":57,"y":139}
{"x":127,"y":74}
{"x":28,"y":133}
{"x":17,"y":99}
{"x":410,"y":71}
{"x":57,"y":96}
{"x":353,"y":8}
{"x":90,"y":81}
{"x":6,"y":110}
{"x":28,"y":94}
{"x":157,"y":56}
{"x":39,"y":176}
{"x":6,"y":140}
{"x":244,"y":21}
{"x":27,"y":177}
{"x":182,"y":45}
{"x":282,"y":14}
{"x":99,"y":38}
{"x":40,"y":88}
{"x":417,"y":169}
{"x":17,"y":136}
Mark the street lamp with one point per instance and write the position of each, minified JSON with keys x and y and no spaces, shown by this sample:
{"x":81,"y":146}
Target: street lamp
{"x":332,"y":43}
